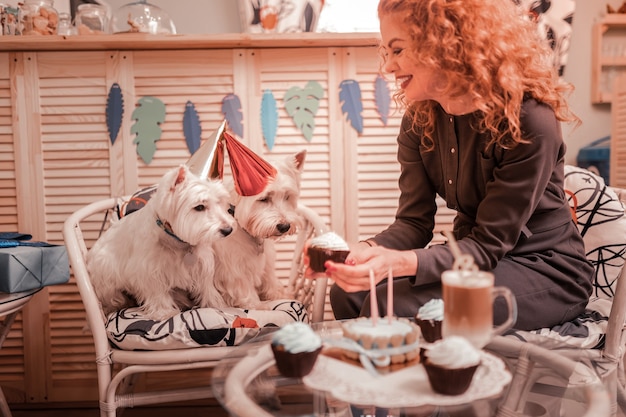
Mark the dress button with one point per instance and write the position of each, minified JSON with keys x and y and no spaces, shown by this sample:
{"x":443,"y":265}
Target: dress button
{"x":451,"y":119}
{"x":450,"y":182}
{"x":452,"y":150}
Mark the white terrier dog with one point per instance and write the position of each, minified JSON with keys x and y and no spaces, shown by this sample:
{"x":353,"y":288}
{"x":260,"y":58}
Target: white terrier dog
{"x":245,"y":261}
{"x":164,"y":249}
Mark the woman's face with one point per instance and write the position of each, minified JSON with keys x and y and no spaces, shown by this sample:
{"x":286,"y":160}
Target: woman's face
{"x":418,"y":82}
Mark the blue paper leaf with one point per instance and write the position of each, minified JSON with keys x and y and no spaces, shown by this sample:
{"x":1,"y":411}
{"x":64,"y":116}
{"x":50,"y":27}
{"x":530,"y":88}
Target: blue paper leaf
{"x":191,"y":127}
{"x":382,"y":98}
{"x":350,"y":97}
{"x":269,"y":118}
{"x":231,"y":107}
{"x":114,"y":111}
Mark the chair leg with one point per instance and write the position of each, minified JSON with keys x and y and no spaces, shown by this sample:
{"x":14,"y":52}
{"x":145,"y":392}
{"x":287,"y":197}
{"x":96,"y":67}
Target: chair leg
{"x":621,"y":397}
{"x":4,"y":407}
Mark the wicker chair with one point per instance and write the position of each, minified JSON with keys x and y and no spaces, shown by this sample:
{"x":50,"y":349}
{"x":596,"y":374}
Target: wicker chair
{"x":116,"y":369}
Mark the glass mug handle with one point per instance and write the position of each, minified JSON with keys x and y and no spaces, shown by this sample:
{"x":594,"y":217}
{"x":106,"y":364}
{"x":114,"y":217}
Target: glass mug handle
{"x":511,"y":305}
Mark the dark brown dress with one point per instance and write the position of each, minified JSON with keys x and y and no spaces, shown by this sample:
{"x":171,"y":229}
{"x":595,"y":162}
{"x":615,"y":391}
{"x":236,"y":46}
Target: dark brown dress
{"x":512,"y":217}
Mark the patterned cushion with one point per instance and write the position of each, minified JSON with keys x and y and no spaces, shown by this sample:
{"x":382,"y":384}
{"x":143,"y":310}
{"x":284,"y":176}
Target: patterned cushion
{"x":600,"y":218}
{"x":599,"y":215}
{"x":127,"y":329}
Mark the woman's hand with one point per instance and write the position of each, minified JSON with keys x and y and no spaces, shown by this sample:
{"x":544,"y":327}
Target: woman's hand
{"x":355,"y":250}
{"x":354,"y":274}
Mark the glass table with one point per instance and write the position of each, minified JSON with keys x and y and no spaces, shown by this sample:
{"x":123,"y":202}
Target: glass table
{"x":247,"y":383}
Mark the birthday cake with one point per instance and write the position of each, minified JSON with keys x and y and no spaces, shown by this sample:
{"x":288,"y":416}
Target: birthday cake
{"x":399,"y":333}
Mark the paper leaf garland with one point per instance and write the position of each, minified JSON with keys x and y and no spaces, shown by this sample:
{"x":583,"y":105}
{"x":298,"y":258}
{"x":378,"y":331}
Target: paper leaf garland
{"x":302,"y":105}
{"x":231,"y":107}
{"x":191,"y":127}
{"x":350,"y":97}
{"x":148,"y":115}
{"x":382,"y":99}
{"x":269,"y":118}
{"x":114,"y":111}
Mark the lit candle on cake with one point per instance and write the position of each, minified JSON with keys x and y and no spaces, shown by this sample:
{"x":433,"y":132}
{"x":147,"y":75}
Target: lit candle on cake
{"x":390,"y":295}
{"x":373,"y":301}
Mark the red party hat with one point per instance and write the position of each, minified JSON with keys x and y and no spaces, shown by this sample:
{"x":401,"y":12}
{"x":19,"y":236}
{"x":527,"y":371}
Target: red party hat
{"x":251,"y":173}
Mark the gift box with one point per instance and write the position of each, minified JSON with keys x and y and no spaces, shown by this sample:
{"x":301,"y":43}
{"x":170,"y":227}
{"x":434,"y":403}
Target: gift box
{"x":24,"y":268}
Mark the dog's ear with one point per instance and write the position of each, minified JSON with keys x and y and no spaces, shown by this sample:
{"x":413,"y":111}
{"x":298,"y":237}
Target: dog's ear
{"x":298,"y":160}
{"x":176,"y":177}
{"x":182,"y":173}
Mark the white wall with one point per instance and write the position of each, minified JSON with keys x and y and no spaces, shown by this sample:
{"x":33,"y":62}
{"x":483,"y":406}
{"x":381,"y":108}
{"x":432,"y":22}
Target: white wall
{"x":197,"y":16}
{"x":596,"y":118}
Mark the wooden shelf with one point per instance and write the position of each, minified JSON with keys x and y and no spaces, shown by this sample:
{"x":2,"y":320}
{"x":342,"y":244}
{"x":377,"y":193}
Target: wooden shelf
{"x":606,"y":68}
{"x":142,"y":41}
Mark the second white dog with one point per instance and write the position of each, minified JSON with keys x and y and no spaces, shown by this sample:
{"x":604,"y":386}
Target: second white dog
{"x":245,"y":261}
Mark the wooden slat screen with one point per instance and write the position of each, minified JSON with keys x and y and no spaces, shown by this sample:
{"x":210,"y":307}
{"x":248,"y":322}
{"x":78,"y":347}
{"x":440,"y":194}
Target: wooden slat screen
{"x":350,"y":179}
{"x":77,"y":171}
{"x":12,"y":377}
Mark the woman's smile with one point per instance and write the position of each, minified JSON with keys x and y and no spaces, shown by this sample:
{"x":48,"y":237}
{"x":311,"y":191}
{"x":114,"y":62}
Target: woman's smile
{"x":404,"y":80}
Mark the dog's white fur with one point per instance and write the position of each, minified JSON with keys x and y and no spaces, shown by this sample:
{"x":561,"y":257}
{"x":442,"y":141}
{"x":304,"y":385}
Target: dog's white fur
{"x":245,"y":261}
{"x":138,"y":259}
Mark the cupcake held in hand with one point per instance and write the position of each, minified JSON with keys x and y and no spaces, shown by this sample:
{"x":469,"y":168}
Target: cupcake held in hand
{"x":327,"y":247}
{"x":296,"y":347}
{"x":450,"y":364}
{"x":429,"y":318}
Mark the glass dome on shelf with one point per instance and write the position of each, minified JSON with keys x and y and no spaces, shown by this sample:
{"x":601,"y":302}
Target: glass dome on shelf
{"x":141,"y":17}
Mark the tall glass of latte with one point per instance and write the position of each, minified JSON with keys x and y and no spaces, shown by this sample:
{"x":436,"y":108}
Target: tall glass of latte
{"x":468,"y":298}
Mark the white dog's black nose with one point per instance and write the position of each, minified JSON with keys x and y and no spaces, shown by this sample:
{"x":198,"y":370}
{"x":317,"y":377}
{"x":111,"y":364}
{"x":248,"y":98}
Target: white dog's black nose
{"x":283,"y":227}
{"x":225,"y":231}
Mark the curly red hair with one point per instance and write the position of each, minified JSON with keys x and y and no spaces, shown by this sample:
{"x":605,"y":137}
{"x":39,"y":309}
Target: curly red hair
{"x":488,"y":49}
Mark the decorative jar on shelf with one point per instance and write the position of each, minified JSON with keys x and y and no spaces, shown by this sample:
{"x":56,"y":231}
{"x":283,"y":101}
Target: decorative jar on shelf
{"x":91,"y":19}
{"x":39,"y":17}
{"x":141,"y":17}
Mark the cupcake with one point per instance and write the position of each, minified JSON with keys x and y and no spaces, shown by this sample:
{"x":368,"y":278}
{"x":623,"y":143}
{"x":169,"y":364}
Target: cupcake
{"x":429,"y":317}
{"x":296,"y":347}
{"x":326,"y":247}
{"x":450,"y":364}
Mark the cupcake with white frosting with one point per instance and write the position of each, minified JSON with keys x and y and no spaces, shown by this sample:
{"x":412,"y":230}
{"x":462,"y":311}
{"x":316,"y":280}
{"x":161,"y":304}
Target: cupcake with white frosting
{"x":296,"y":347}
{"x":430,"y":317}
{"x":450,"y":364}
{"x":327,"y":247}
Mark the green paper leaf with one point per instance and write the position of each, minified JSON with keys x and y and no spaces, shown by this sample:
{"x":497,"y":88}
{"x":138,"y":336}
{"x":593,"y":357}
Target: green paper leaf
{"x":148,"y":115}
{"x":302,"y":105}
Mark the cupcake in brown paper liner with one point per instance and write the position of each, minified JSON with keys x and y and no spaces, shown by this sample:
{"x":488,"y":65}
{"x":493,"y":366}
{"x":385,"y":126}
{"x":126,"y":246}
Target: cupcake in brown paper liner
{"x":296,"y":348}
{"x":450,"y":364}
{"x":430,"y":318}
{"x":326,"y":247}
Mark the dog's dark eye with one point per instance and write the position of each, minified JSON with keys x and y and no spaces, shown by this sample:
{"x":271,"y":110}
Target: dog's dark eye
{"x":199,"y":207}
{"x":264,"y":199}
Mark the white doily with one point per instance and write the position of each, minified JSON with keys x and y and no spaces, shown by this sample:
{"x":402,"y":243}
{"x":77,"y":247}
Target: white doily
{"x":408,"y":387}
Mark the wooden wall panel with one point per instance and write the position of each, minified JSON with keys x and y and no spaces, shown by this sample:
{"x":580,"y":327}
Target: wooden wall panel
{"x":53,"y":124}
{"x":12,"y":352}
{"x":8,"y":197}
